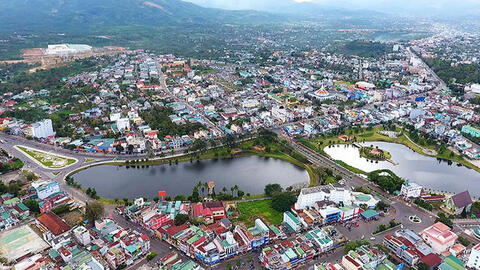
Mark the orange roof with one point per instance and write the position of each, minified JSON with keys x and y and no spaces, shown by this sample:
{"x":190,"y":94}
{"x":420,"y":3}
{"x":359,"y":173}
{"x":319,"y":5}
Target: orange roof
{"x":53,"y":223}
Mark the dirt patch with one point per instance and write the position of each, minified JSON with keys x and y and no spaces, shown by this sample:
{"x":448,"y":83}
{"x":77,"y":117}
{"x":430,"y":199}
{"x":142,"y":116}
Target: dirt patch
{"x":72,"y":218}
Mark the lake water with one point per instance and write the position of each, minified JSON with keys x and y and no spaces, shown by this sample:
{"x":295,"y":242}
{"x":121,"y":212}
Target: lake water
{"x":426,"y":171}
{"x":251,"y":174}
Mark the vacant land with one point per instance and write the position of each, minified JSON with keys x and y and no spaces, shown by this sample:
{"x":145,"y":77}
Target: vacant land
{"x":251,"y":210}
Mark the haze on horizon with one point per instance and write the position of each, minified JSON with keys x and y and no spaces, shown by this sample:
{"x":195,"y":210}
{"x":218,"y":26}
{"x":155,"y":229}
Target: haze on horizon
{"x":447,"y":8}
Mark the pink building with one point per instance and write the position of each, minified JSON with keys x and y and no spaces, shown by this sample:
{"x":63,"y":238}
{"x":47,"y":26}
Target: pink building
{"x":439,"y":237}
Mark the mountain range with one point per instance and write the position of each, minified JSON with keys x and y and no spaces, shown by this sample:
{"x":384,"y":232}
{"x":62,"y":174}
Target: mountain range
{"x":58,"y":15}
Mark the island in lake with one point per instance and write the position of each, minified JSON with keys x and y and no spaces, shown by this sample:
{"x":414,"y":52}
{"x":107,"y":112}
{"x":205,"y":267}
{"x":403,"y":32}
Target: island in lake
{"x":374,"y":153}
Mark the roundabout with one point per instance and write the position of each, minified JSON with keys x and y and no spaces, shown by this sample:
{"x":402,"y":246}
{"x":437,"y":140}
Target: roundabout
{"x":415,"y":219}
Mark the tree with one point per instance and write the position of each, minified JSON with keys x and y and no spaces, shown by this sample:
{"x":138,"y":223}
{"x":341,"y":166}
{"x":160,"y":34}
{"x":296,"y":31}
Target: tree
{"x":283,"y":201}
{"x":130,"y":148}
{"x":272,"y":189}
{"x":353,"y":245}
{"x":382,"y":206}
{"x":180,"y":219}
{"x":423,"y":266}
{"x":32,"y":205}
{"x":444,"y":219}
{"x":155,"y":199}
{"x":94,"y":210}
{"x":195,"y":197}
{"x":180,"y":197}
{"x":240,"y":193}
{"x":151,"y":256}
{"x":119,"y":148}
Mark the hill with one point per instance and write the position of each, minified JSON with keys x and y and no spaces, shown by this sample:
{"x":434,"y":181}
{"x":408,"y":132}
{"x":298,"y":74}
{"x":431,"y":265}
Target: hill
{"x":61,"y":15}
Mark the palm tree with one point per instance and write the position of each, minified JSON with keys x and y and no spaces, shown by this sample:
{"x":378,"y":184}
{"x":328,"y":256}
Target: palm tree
{"x":236,"y":188}
{"x":232,"y":189}
{"x":224,"y":189}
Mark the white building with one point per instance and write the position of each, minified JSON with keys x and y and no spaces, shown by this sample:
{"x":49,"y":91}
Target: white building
{"x":292,"y":221}
{"x":42,"y":129}
{"x":46,"y":188}
{"x":475,"y":88}
{"x":115,"y":116}
{"x":82,"y":235}
{"x":123,"y":124}
{"x":67,"y":49}
{"x":309,"y":196}
{"x":411,"y":190}
{"x":474,"y":259}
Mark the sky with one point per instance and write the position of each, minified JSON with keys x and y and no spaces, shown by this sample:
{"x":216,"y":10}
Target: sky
{"x":404,"y":7}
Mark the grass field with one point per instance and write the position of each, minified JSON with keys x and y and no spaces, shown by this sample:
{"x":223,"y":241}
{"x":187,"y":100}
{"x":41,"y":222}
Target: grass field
{"x":251,"y":210}
{"x":46,"y":159}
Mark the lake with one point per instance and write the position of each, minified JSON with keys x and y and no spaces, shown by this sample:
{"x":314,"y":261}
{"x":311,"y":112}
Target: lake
{"x":250,"y":173}
{"x":426,"y":171}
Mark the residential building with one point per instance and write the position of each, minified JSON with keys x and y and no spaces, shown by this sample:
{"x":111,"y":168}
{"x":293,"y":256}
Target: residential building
{"x":291,"y":221}
{"x":54,"y":230}
{"x":82,"y":235}
{"x":439,"y":236}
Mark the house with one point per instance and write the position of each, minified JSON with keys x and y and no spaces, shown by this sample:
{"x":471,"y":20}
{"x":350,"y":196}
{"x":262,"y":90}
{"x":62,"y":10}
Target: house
{"x":82,"y":235}
{"x":459,"y":202}
{"x":439,"y":237}
{"x":209,"y":211}
{"x":402,"y":248}
{"x":291,"y":221}
{"x":432,"y":260}
{"x":53,"y":228}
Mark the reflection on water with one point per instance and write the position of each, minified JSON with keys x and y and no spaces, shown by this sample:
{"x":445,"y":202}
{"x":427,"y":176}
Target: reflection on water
{"x":430,"y":172}
{"x":251,"y":174}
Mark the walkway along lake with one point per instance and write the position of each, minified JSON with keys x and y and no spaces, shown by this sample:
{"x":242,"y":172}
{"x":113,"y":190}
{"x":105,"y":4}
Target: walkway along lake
{"x":251,"y":174}
{"x":424,"y":170}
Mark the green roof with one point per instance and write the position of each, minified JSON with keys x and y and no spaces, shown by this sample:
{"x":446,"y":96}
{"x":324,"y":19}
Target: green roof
{"x":382,"y":267}
{"x":454,"y":262}
{"x":290,"y":253}
{"x":22,"y":206}
{"x":274,"y":229}
{"x":188,"y":266}
{"x":300,"y":251}
{"x":53,"y":254}
{"x":369,"y":213}
{"x":11,"y":201}
{"x":363,"y":197}
{"x":292,"y":217}
{"x":76,"y":251}
{"x":131,"y":248}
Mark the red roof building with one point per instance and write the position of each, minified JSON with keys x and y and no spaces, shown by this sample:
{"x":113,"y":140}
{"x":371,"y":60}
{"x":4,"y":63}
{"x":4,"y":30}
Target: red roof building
{"x":53,"y":223}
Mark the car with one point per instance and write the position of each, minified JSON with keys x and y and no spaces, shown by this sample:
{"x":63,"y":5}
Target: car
{"x":372,"y":238}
